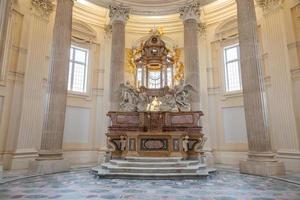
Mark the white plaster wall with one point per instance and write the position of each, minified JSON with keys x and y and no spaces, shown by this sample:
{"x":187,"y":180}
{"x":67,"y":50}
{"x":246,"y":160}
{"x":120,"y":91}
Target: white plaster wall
{"x":86,"y":120}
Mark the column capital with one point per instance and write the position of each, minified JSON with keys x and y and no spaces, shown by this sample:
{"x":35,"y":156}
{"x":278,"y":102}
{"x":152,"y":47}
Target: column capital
{"x":43,"y":7}
{"x":190,"y":11}
{"x":108,"y":31}
{"x":118,"y":13}
{"x":202,"y":29}
{"x":269,"y":5}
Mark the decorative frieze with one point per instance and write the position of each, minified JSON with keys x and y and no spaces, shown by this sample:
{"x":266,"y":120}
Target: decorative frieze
{"x":190,"y":11}
{"x":118,"y":13}
{"x":43,"y":7}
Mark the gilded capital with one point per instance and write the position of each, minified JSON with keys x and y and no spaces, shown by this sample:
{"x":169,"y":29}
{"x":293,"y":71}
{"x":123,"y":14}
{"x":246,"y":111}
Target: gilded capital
{"x":190,"y":11}
{"x":118,"y":13}
{"x":44,"y":7}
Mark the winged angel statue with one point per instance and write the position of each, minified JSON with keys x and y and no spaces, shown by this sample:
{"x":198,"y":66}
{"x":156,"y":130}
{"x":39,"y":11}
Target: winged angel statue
{"x":175,"y":100}
{"x":131,"y":99}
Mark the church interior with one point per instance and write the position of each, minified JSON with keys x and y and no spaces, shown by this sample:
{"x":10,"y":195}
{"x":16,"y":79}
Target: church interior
{"x":150,"y":99}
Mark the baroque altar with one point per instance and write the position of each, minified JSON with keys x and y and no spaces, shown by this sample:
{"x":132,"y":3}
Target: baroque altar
{"x":155,"y":134}
{"x":155,"y":117}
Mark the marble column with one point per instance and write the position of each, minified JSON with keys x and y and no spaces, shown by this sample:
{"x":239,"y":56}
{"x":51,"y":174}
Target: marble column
{"x":4,"y":15}
{"x":190,"y":15}
{"x":118,"y":16}
{"x":50,"y":157}
{"x":261,"y":160}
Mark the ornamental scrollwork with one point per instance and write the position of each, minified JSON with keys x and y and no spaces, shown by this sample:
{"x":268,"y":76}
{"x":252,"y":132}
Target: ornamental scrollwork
{"x":190,"y":11}
{"x":118,"y":13}
{"x":269,"y":4}
{"x":45,"y":7}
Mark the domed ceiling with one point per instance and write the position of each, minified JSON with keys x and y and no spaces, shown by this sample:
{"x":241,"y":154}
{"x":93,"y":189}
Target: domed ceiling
{"x":150,"y":7}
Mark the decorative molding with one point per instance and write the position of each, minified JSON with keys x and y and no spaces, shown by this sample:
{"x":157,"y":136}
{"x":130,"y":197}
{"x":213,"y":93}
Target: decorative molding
{"x":293,"y":45}
{"x":269,"y":5}
{"x":118,"y":13}
{"x":108,"y":29}
{"x":202,"y":29}
{"x":190,"y":11}
{"x":43,"y":7}
{"x":295,"y":73}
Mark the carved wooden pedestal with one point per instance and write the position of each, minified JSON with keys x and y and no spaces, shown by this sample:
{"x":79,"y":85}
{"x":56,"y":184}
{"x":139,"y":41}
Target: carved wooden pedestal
{"x":155,"y":134}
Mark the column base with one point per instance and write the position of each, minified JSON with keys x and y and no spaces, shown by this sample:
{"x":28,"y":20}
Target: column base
{"x":49,"y":166}
{"x":262,"y":165}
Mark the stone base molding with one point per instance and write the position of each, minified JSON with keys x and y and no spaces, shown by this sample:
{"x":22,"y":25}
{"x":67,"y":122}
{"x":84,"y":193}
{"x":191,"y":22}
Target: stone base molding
{"x":49,"y":166}
{"x":290,"y":159}
{"x":262,"y":164}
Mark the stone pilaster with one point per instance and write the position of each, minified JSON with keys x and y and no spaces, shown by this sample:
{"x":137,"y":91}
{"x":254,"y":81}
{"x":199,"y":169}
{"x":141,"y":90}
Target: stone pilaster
{"x":190,"y":15}
{"x":283,"y":123}
{"x":118,"y":16}
{"x":261,"y":159}
{"x":50,"y":155}
{"x":31,"y":112}
{"x":4,"y":16}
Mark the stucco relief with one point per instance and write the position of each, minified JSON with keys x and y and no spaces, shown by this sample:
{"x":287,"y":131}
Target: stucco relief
{"x":44,"y":7}
{"x":269,"y":4}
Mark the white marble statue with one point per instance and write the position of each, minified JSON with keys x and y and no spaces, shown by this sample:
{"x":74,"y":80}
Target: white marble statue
{"x":177,"y":99}
{"x":181,"y":93}
{"x":123,"y":142}
{"x":129,"y":98}
{"x":185,"y":143}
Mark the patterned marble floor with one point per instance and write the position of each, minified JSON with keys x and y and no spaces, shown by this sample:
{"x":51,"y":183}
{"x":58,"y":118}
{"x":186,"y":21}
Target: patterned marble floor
{"x":82,"y":185}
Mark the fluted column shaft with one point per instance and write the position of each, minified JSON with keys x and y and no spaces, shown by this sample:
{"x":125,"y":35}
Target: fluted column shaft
{"x":190,"y":15}
{"x":117,"y":62}
{"x":252,"y":78}
{"x":56,"y":99}
{"x":283,"y":122}
{"x":118,"y":16}
{"x":260,"y":160}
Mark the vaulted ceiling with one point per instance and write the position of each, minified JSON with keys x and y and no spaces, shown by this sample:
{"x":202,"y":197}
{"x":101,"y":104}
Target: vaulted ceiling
{"x":150,"y":7}
{"x":96,"y":13}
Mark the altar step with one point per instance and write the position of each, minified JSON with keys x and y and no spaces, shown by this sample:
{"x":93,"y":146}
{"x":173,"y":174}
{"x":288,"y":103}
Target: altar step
{"x":152,"y":168}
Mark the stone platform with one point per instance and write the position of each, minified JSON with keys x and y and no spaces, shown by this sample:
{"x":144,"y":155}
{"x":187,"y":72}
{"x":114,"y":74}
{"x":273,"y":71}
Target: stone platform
{"x":153,"y":168}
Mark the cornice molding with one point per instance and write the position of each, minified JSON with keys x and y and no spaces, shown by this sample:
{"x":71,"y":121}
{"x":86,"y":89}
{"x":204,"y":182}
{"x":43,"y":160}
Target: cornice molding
{"x":190,"y":11}
{"x":118,"y":13}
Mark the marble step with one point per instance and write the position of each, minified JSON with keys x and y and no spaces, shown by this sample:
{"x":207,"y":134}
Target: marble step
{"x":155,"y":176}
{"x":124,"y":163}
{"x":153,"y":159}
{"x":186,"y":169}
